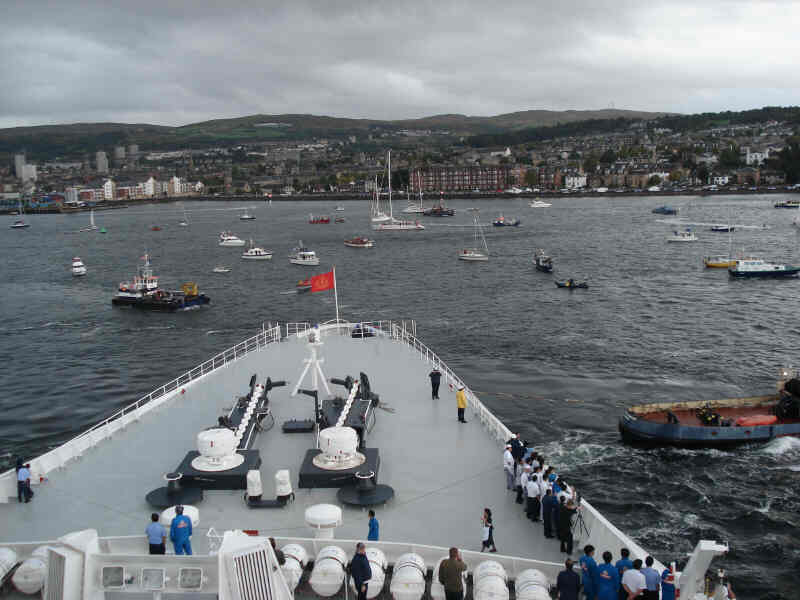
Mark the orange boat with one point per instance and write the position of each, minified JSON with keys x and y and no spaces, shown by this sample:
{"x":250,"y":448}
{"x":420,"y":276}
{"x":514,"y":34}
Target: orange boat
{"x":304,"y":285}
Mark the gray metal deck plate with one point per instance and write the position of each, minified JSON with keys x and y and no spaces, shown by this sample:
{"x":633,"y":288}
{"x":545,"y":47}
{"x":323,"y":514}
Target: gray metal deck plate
{"x":444,"y":473}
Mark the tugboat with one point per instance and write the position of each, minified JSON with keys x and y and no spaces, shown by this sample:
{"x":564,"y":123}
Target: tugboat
{"x":571,"y":284}
{"x":359,"y":242}
{"x":143,"y":292}
{"x":716,"y":423}
{"x":501,"y":221}
{"x":542,"y":262}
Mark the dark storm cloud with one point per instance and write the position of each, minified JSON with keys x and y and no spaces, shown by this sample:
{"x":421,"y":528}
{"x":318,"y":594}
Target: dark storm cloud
{"x":173,"y":63}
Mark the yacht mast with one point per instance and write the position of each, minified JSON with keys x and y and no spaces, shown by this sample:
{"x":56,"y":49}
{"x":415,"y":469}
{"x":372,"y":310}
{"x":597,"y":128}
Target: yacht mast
{"x":390,"y":184}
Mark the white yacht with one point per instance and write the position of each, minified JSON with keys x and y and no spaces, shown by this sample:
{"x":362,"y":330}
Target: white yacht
{"x":376,"y":214}
{"x":184,"y":222}
{"x":339,"y":208}
{"x":78,"y":268}
{"x":415,"y":208}
{"x":539,"y":204}
{"x":364,"y":438}
{"x":479,"y":252}
{"x":226,"y":238}
{"x":682,"y":236}
{"x":303,"y":256}
{"x":256,"y":253}
{"x":221,"y":269}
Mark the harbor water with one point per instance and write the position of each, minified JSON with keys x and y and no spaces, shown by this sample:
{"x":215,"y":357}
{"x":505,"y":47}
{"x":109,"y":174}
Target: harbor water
{"x":558,"y":366}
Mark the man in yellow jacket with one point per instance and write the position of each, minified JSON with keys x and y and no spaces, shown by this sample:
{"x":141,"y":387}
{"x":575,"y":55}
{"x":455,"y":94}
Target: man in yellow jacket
{"x":461,"y":402}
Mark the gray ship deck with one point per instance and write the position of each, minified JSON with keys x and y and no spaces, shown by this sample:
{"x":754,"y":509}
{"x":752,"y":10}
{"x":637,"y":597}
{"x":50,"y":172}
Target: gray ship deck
{"x":444,"y":473}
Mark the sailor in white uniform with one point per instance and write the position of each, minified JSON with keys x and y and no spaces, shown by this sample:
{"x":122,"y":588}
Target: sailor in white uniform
{"x":508,"y":467}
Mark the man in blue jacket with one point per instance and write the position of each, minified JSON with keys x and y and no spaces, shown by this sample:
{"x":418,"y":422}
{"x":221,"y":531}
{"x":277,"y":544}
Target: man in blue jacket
{"x":607,"y":579}
{"x":549,"y":513}
{"x":180,"y":531}
{"x":374,"y":527}
{"x":360,"y":571}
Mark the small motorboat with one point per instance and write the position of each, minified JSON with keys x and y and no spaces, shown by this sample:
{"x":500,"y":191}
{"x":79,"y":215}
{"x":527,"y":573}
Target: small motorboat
{"x":439,"y":211}
{"x":19,"y":224}
{"x":723,"y":228}
{"x":155,"y":228}
{"x":318,"y":219}
{"x":572,"y":284}
{"x":665,"y":210}
{"x":502,"y":221}
{"x":788,"y":204}
{"x":303,"y":256}
{"x":256,"y":253}
{"x":304,"y":285}
{"x":340,"y":208}
{"x":359,"y":242}
{"x":539,"y":204}
{"x":226,"y":238}
{"x":78,"y":268}
{"x":339,"y":220}
{"x":246,"y":216}
{"x":542,"y":262}
{"x":682,"y":236}
{"x":221,"y":269}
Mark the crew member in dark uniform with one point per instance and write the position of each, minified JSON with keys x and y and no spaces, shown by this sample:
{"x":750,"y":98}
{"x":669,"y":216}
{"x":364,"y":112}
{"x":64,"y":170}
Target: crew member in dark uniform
{"x":361,"y":571}
{"x":436,"y":378}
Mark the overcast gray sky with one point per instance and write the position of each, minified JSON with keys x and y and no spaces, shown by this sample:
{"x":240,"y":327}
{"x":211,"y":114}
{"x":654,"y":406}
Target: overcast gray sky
{"x":174,"y":63}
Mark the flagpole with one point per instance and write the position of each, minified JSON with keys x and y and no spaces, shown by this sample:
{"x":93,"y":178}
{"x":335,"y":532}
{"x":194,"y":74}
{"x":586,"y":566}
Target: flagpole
{"x":335,"y":293}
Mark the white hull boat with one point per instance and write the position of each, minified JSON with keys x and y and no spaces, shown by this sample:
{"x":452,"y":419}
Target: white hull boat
{"x":539,"y":204}
{"x":78,"y":268}
{"x":94,"y":549}
{"x":227,"y":239}
{"x":303,"y":256}
{"x":256,"y":253}
{"x":479,"y":252}
{"x":221,"y":269}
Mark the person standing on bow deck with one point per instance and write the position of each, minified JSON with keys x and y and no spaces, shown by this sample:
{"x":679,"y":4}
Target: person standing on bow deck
{"x":461,"y":403}
{"x":361,"y":571}
{"x":607,"y":579}
{"x":589,"y":572}
{"x":508,"y":467}
{"x":180,"y":531}
{"x":450,"y":575}
{"x":436,"y":378}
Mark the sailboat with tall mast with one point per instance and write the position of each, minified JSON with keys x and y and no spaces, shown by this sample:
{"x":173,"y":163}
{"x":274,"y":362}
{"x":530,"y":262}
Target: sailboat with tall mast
{"x":184,"y":222}
{"x":415,"y":208}
{"x":92,"y":226}
{"x":20,"y":223}
{"x":376,"y":215}
{"x":479,"y":252}
{"x":396,"y":224}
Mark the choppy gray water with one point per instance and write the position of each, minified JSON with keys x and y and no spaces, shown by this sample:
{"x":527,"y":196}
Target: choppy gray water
{"x":559,"y":366}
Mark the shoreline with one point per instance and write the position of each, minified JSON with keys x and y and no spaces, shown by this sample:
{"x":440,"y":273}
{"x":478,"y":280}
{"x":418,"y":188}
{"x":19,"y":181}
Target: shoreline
{"x":365,"y":196}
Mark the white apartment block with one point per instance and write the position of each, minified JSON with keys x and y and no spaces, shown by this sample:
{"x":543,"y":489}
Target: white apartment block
{"x":574,"y":181}
{"x":109,"y":190}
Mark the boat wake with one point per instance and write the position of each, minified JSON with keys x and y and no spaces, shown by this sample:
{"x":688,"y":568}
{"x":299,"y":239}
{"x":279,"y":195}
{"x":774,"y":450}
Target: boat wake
{"x":781,"y":446}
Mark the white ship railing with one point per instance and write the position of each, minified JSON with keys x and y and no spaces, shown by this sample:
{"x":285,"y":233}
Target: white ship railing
{"x":76,"y":446}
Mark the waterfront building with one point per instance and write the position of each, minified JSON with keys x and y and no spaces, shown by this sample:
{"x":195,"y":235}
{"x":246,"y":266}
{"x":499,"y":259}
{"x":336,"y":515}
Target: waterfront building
{"x":465,"y":178}
{"x":28,"y":172}
{"x":101,"y":161}
{"x":109,"y":190}
{"x":119,"y":153}
{"x":133,"y":150}
{"x":19,"y":163}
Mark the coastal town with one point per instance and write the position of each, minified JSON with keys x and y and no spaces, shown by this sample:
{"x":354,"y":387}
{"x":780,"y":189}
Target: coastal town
{"x":638,"y":157}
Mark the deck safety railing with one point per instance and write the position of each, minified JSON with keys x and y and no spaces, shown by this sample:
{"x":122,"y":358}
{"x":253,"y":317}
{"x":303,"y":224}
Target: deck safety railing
{"x":76,"y":446}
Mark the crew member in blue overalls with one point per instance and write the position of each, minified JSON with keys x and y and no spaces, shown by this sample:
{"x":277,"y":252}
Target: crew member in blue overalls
{"x":607,"y":579}
{"x":589,"y":572}
{"x":374,"y":527}
{"x":180,"y":531}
